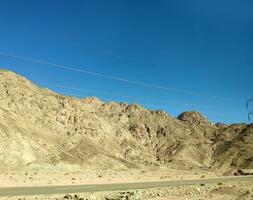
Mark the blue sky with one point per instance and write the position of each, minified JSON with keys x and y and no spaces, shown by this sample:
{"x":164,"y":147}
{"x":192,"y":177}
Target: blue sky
{"x":197,"y":46}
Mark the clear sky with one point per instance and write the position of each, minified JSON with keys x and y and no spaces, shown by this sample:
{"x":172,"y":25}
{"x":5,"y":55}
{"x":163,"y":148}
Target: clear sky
{"x":199,"y":46}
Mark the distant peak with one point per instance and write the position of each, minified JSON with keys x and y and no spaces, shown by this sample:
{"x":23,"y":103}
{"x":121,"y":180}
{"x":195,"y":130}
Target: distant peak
{"x":194,"y":118}
{"x":93,"y":100}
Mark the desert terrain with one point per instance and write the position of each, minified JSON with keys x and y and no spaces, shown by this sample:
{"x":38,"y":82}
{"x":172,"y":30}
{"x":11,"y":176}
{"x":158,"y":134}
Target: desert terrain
{"x":50,"y":139}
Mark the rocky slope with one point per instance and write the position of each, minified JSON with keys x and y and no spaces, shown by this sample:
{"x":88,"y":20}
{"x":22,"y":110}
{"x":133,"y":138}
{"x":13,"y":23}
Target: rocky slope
{"x":38,"y":126}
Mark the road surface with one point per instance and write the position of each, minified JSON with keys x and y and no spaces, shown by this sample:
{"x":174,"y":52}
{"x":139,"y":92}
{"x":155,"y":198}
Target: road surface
{"x":45,"y":190}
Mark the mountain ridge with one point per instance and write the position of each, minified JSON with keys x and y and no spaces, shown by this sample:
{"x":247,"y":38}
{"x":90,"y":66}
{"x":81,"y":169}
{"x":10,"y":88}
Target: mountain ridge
{"x":39,"y":126}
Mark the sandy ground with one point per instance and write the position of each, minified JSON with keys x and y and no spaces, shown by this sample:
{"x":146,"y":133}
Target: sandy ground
{"x":236,"y":191}
{"x":63,"y":176}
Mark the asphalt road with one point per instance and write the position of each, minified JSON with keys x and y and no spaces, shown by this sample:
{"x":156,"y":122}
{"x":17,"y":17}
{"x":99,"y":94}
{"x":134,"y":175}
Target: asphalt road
{"x":45,"y":190}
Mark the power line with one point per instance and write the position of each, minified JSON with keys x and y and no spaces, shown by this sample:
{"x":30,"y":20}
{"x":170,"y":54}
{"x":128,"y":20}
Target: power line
{"x":136,"y":97}
{"x":116,"y":78}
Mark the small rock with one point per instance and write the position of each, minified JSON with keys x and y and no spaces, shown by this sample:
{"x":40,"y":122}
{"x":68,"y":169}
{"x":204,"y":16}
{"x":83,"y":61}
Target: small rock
{"x":68,"y":196}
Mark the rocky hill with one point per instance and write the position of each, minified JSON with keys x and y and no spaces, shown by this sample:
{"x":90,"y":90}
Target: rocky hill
{"x":194,"y":118}
{"x":38,"y":126}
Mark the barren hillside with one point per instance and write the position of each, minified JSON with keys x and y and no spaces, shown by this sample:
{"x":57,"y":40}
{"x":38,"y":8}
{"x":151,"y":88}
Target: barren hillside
{"x":39,"y":126}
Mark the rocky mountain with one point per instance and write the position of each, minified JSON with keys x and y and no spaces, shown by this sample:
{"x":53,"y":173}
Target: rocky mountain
{"x":38,"y":126}
{"x":194,"y":118}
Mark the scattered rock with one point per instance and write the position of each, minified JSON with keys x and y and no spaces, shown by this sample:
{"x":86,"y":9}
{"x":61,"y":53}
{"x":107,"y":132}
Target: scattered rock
{"x":240,"y":172}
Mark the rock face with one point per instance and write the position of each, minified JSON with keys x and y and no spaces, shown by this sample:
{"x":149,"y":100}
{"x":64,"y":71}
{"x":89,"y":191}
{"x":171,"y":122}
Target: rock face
{"x":38,"y":126}
{"x":194,"y":118}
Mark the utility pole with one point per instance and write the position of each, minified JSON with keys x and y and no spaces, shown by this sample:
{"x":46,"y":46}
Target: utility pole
{"x":247,"y":106}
